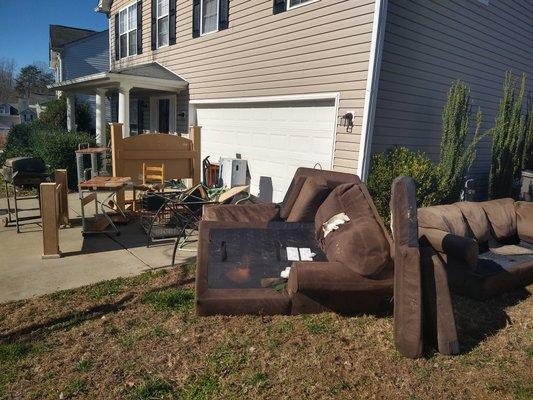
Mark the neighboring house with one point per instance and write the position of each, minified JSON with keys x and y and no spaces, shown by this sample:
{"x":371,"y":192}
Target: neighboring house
{"x":272,"y":80}
{"x":7,"y":109}
{"x":76,"y":53}
{"x":28,"y":115}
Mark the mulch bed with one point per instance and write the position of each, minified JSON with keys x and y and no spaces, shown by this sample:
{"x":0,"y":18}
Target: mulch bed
{"x":138,"y":338}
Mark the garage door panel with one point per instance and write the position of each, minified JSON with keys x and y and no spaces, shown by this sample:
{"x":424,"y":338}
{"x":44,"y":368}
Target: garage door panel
{"x":275,"y":138}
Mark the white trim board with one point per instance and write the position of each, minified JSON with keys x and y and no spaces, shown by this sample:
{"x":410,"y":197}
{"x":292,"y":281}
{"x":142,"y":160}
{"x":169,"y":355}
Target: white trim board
{"x":268,"y":99}
{"x":372,"y":83}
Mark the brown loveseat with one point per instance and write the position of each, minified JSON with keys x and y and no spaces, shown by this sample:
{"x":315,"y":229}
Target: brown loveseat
{"x":487,"y":247}
{"x":243,"y":248}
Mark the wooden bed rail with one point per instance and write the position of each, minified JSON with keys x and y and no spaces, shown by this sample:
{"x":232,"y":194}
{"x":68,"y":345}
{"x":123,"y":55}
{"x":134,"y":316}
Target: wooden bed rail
{"x":180,"y":155}
{"x":54,"y":211}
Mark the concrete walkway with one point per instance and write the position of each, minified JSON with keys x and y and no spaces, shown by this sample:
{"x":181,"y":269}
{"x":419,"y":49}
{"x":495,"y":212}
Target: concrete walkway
{"x":23,"y":274}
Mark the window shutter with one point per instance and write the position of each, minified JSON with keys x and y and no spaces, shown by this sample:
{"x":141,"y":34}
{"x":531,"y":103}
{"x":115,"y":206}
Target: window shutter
{"x":195,"y":18}
{"x":154,"y":24}
{"x":117,"y":39}
{"x":172,"y":22}
{"x":139,"y":27}
{"x":223,"y":16}
{"x":280,"y":6}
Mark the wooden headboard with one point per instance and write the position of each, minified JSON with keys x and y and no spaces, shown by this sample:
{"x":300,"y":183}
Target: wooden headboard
{"x":181,"y":156}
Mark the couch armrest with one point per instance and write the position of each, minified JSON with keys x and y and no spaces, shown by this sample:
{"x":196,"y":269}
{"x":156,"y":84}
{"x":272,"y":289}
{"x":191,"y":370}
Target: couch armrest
{"x":453,"y":246}
{"x":242,"y":212}
{"x":313,"y":276}
{"x":524,"y":220}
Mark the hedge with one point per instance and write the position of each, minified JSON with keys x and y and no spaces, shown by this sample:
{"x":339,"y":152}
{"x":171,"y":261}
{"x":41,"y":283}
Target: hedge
{"x":54,"y":146}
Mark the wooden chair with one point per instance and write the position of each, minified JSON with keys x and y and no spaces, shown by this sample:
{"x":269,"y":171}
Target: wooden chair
{"x":153,"y":180}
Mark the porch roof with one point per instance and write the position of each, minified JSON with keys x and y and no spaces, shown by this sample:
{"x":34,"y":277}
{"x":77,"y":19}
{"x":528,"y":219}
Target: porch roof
{"x":144,"y":76}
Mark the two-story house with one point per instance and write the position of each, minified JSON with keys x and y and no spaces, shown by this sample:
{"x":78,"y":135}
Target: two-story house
{"x":277,"y":81}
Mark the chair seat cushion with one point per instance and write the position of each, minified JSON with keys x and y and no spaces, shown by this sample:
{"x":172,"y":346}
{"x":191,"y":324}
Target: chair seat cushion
{"x":524,"y":220}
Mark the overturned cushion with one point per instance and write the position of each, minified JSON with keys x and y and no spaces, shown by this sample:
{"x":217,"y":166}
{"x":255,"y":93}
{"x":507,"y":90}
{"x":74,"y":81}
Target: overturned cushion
{"x":524,"y":220}
{"x":445,"y":218}
{"x":313,"y":193}
{"x":502,"y":217}
{"x":290,"y":197}
{"x":361,"y":243}
{"x":241,"y":213}
{"x":476,"y":218}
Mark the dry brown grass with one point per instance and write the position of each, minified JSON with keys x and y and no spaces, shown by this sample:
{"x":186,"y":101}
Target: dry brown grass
{"x":139,"y":339}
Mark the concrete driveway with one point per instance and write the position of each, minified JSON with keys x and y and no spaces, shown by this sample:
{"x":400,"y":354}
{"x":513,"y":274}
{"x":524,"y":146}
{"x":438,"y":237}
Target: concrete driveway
{"x":84,"y":261}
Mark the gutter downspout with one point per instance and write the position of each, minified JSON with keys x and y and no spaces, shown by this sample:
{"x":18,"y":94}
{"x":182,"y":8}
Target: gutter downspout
{"x":371,"y":94}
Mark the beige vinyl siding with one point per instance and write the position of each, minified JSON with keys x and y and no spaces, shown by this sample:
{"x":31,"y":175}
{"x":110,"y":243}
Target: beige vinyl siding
{"x":427,"y":45}
{"x":321,"y":47}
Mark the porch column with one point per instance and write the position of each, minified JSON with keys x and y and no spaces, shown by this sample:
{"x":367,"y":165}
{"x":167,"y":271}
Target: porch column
{"x":100,"y":118}
{"x":124,"y":109}
{"x":71,"y":112}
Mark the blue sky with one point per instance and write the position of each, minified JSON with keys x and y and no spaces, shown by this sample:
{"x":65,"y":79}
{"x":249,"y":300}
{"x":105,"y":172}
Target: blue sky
{"x":24,"y":25}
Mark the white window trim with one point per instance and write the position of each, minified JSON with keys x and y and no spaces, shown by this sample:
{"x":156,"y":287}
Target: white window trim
{"x":157,"y":18}
{"x":128,"y":31}
{"x":289,"y":7}
{"x":202,"y":19}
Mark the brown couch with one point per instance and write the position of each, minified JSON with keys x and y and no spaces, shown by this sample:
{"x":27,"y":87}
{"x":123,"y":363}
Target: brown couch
{"x":487,"y":247}
{"x":423,"y":312}
{"x":242,"y":250}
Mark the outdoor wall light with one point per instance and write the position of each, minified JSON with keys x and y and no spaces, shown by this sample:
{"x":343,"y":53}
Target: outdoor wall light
{"x":347,"y":121}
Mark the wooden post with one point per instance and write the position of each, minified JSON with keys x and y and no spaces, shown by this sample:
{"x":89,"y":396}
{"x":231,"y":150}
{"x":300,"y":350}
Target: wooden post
{"x":116,"y":145}
{"x":195,"y":137}
{"x":49,"y":211}
{"x":60,"y":178}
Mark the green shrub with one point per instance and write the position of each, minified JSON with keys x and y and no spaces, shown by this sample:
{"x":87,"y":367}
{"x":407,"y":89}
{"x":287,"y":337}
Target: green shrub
{"x":456,"y":157}
{"x":385,"y":167}
{"x":56,"y":147}
{"x":55,"y":115}
{"x":18,"y":142}
{"x":508,"y":139}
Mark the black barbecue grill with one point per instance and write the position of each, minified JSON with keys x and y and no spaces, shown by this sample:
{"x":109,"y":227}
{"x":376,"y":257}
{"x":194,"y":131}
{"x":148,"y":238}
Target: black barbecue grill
{"x":27,"y":172}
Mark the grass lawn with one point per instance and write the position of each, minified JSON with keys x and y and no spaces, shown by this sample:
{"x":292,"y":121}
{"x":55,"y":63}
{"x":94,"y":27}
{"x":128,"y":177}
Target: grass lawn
{"x":138,"y":338}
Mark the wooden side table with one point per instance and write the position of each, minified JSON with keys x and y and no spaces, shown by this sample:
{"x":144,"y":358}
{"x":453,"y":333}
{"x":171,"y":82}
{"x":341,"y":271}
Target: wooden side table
{"x":103,"y":222}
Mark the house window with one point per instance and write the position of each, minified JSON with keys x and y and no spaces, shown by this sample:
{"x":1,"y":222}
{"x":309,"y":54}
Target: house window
{"x":209,"y":16}
{"x":128,"y":31}
{"x":162,"y":22}
{"x":298,"y":3}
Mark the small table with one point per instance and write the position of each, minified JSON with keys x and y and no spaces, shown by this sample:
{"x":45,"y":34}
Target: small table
{"x":101,"y":222}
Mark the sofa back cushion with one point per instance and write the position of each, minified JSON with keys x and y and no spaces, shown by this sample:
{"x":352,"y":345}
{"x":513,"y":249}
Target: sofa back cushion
{"x":446,"y":218}
{"x":476,"y":218}
{"x":524,"y":220}
{"x":501,"y":214}
{"x":332,"y":178}
{"x":313,"y":193}
{"x":362,"y":244}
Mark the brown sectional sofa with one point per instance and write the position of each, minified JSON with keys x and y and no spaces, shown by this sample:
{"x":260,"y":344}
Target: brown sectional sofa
{"x":487,"y":247}
{"x":242,"y":250}
{"x":423,"y":313}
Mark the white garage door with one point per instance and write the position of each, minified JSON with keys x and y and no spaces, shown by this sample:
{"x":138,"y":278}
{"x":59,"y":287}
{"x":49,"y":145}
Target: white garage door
{"x":275,"y":138}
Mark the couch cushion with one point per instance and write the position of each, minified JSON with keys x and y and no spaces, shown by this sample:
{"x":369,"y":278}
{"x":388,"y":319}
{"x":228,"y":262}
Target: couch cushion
{"x":476,"y":218}
{"x":241,"y":212}
{"x":524,"y":220}
{"x":502,"y":217}
{"x":445,"y":218}
{"x":361,"y":243}
{"x":313,"y":193}
{"x":290,"y":197}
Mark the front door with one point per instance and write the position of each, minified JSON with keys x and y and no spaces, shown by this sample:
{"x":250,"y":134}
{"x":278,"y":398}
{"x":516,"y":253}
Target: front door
{"x":164,"y":114}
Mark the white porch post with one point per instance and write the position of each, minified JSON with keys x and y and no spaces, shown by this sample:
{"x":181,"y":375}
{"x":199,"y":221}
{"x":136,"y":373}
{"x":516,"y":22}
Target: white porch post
{"x":71,"y":112}
{"x":124,"y":109}
{"x":100,"y":118}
